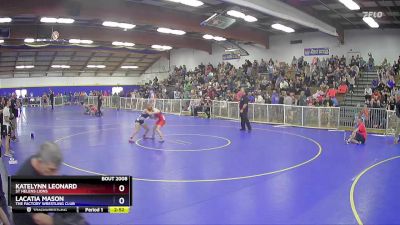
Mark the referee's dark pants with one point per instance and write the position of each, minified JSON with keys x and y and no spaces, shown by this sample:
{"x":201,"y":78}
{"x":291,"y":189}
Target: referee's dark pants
{"x":244,"y":121}
{"x":52,"y":103}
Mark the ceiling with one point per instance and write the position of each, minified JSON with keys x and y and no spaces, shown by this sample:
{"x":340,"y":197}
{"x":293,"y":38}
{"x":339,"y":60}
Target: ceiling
{"x":77,"y":58}
{"x":148,"y":15}
{"x":336,"y":14}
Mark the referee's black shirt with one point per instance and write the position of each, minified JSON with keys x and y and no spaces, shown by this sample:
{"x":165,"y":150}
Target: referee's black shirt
{"x":244,"y":100}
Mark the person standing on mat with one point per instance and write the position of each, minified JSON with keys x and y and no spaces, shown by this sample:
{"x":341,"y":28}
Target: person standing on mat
{"x":396,"y":136}
{"x":52,"y":99}
{"x":7,"y":127}
{"x":244,"y":108}
{"x":99,"y":103}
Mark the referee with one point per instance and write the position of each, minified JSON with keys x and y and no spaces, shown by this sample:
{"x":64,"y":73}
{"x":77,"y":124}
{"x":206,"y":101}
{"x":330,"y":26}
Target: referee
{"x":244,"y":108}
{"x":52,"y":99}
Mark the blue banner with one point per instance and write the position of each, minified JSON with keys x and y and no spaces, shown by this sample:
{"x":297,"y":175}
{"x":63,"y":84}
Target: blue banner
{"x":230,"y":56}
{"x":316,"y":51}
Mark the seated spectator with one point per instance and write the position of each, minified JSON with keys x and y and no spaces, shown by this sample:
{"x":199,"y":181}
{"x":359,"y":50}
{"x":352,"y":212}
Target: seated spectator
{"x":195,"y":106}
{"x":335,"y":102}
{"x":287,"y":100}
{"x":259,"y":98}
{"x":251,"y":97}
{"x":284,"y":85}
{"x":331,"y":92}
{"x":302,"y":99}
{"x":391,"y":83}
{"x":327,"y":102}
{"x":342,"y":88}
{"x":275,"y":97}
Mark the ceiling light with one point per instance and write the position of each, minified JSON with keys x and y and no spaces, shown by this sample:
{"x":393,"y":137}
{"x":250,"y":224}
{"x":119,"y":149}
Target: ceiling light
{"x":371,"y":22}
{"x":48,"y":20}
{"x":216,"y":38}
{"x":125,"y":44}
{"x":178,"y":32}
{"x":5,"y":19}
{"x":170,"y":31}
{"x":86,"y":42}
{"x":110,"y":24}
{"x":129,"y":67}
{"x":193,"y":3}
{"x":161,"y":47}
{"x":96,"y":66}
{"x":65,"y":20}
{"x":208,"y":37}
{"x":56,"y":20}
{"x":125,"y":26}
{"x":29,"y":40}
{"x":235,"y":13}
{"x":25,"y":67}
{"x":350,"y":4}
{"x":238,"y":14}
{"x":61,"y":66}
{"x":250,"y":19}
{"x":281,"y":27}
{"x":231,"y":50}
{"x":219,"y":39}
{"x":79,"y":41}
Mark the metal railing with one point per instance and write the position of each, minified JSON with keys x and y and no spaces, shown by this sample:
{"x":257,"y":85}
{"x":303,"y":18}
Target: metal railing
{"x":302,"y":116}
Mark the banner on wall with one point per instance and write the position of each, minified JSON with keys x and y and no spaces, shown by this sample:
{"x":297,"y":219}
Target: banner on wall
{"x":231,"y":56}
{"x":316,"y":51}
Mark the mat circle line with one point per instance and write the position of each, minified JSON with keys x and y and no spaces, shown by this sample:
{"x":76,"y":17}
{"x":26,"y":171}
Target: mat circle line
{"x":354,"y":184}
{"x":207,"y":180}
{"x":228,"y":142}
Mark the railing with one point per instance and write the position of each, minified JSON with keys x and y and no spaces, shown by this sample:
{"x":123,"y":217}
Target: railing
{"x":302,"y":116}
{"x":315,"y":117}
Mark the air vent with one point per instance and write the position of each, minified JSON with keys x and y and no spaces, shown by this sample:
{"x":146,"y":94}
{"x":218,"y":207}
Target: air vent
{"x":296,"y":42}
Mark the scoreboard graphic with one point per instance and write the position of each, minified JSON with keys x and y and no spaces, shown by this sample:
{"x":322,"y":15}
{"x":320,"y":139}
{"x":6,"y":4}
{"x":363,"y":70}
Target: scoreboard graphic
{"x":79,"y":194}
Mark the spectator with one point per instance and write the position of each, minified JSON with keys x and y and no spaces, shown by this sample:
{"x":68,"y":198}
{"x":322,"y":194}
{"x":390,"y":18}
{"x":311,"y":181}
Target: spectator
{"x":368,"y":94}
{"x":275,"y":97}
{"x":45,"y":163}
{"x":371,"y":62}
{"x":287,"y":100}
{"x":302,"y":99}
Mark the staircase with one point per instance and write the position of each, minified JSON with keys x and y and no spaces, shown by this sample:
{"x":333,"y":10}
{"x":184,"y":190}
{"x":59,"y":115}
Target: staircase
{"x":358,"y":98}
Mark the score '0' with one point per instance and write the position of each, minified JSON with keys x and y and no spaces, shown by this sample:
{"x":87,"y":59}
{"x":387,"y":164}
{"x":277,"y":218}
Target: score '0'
{"x":121,"y":188}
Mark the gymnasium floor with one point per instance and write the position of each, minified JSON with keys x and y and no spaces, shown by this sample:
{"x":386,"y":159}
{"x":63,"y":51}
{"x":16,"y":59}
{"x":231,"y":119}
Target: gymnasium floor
{"x":208,"y":172}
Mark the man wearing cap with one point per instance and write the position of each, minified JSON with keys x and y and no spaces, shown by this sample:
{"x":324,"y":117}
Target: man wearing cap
{"x":244,"y":108}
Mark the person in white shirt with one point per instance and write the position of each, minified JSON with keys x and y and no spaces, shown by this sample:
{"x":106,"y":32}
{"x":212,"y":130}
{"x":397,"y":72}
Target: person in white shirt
{"x":368,"y":93}
{"x":7,"y":126}
{"x":260,"y":99}
{"x":283,"y":85}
